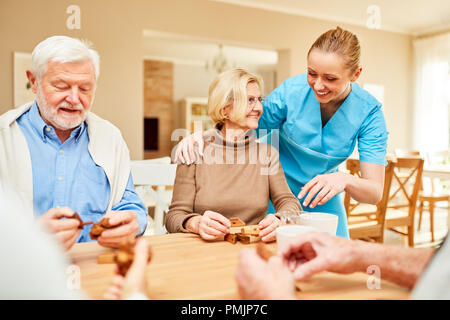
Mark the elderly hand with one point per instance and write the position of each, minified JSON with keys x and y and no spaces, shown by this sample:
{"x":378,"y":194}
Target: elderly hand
{"x":314,"y":252}
{"x":185,"y":152}
{"x":66,"y":230}
{"x":268,"y":225}
{"x":134,"y":282}
{"x":210,"y":226}
{"x":326,"y":186}
{"x":258,"y":279}
{"x":125,"y":228}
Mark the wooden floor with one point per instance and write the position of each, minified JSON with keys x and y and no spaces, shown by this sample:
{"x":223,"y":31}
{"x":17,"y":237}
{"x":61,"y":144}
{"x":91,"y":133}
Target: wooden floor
{"x":423,"y":236}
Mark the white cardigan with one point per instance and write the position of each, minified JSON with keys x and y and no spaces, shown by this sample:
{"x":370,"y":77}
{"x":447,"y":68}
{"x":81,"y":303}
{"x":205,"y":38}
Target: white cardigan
{"x":106,"y":147}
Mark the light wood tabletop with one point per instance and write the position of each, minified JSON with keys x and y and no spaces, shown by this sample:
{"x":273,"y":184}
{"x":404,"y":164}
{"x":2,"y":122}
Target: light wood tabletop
{"x":184,"y":266}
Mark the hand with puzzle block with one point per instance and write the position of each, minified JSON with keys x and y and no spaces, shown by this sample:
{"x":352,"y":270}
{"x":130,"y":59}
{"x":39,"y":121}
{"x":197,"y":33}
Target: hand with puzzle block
{"x":130,"y":281}
{"x":212,"y":226}
{"x":115,"y":228}
{"x":264,"y":231}
{"x":64,"y":223}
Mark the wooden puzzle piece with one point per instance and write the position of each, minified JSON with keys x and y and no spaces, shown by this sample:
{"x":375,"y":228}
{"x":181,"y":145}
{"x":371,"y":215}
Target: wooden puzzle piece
{"x":231,"y":238}
{"x":263,"y":251}
{"x":106,"y":258}
{"x":252,"y":230}
{"x":124,"y":256}
{"x":236,"y":222}
{"x":246,"y":239}
{"x":99,"y":227}
{"x":241,"y":232}
{"x":82,"y":224}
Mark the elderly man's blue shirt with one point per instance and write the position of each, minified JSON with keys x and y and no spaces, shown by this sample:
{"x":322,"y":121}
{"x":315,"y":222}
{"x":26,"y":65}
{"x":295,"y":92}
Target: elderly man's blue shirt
{"x":64,"y":174}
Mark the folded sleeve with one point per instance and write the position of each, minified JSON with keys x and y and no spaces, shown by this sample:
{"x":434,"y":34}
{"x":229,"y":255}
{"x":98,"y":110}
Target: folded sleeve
{"x":372,"y":138}
{"x":182,"y":206}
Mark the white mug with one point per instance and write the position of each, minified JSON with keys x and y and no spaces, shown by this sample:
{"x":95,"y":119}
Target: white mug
{"x":323,"y":222}
{"x":288,"y":232}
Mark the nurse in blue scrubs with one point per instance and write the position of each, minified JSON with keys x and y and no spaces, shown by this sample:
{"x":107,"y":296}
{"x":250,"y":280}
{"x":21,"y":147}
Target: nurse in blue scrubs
{"x":317,"y":119}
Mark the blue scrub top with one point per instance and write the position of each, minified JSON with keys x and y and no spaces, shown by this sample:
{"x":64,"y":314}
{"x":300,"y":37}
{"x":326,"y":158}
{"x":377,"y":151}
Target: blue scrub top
{"x":307,"y":150}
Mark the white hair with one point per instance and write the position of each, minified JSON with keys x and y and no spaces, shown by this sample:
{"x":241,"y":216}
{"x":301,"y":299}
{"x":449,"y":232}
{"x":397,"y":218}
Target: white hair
{"x":62,"y":49}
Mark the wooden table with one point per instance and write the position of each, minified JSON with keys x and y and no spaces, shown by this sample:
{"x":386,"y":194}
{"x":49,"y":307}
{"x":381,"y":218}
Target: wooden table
{"x":186,"y":267}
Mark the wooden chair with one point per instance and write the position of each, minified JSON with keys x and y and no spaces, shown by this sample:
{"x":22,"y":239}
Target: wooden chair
{"x":150,"y":178}
{"x":367,"y":221}
{"x":402,"y":153}
{"x":408,"y":178}
{"x":435,"y":194}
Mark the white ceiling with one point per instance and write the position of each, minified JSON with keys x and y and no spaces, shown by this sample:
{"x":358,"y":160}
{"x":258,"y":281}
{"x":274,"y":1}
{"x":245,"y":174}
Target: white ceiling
{"x":182,"y":49}
{"x":413,"y":17}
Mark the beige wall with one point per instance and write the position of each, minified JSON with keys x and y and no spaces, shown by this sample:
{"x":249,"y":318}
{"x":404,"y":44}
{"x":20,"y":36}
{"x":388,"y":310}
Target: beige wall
{"x":115,"y":27}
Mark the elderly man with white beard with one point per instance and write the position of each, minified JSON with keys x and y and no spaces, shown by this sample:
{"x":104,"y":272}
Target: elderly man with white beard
{"x":65,"y":159}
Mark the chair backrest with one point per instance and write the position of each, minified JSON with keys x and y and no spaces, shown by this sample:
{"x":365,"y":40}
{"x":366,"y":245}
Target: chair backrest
{"x":406,"y":182}
{"x":147,"y":174}
{"x":163,"y":160}
{"x":353,"y":166}
{"x":152,"y":173}
{"x":406,"y":153}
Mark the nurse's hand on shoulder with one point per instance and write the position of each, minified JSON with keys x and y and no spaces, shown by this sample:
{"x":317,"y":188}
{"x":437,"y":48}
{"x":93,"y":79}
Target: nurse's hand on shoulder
{"x":325,"y":186}
{"x":267,"y":227}
{"x":185,"y":152}
{"x":66,"y":230}
{"x":210,"y":226}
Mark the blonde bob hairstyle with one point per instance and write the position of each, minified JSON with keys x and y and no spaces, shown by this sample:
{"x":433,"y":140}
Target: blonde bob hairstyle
{"x":230,"y":89}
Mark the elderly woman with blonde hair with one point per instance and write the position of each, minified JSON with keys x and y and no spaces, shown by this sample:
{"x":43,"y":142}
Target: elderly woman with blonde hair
{"x":237,"y":175}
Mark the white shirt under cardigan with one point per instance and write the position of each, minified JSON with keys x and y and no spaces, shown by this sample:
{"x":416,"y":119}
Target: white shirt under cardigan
{"x":106,"y":147}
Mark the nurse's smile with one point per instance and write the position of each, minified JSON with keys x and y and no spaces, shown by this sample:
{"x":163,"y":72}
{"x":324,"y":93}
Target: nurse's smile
{"x":328,"y":76}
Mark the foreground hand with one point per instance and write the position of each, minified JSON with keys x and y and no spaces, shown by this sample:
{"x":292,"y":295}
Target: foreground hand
{"x":135,"y":281}
{"x":66,"y":230}
{"x":258,"y":279}
{"x":185,"y":152}
{"x":125,"y":228}
{"x":314,"y":252}
{"x":268,"y":225}
{"x":326,"y":186}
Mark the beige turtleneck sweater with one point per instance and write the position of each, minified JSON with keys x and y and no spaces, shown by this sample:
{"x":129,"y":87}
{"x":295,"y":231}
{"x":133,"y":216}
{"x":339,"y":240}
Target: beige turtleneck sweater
{"x":234,"y":179}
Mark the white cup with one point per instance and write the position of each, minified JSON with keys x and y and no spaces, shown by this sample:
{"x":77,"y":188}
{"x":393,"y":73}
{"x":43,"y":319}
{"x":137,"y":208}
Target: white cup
{"x":288,"y":232}
{"x":323,"y":222}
